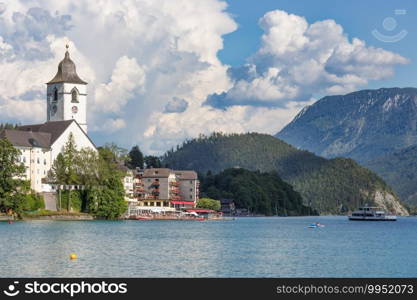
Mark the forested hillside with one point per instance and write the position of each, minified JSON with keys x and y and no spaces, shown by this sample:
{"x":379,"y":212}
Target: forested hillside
{"x":330,"y":186}
{"x":260,"y":193}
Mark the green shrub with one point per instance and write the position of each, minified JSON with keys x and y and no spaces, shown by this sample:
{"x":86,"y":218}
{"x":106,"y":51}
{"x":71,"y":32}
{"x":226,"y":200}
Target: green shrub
{"x":209,"y":203}
{"x":34,"y":201}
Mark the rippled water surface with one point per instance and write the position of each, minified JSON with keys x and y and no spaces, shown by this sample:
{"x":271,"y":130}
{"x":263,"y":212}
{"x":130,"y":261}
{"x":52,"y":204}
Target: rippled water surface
{"x":245,"y":247}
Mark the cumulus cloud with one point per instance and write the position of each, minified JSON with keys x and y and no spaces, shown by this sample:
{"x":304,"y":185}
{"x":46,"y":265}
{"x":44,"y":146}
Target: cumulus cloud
{"x":22,"y":81}
{"x":153,"y":69}
{"x":170,"y":129}
{"x":127,"y":78}
{"x":297,"y":60}
{"x":27,"y":29}
{"x":135,"y":55}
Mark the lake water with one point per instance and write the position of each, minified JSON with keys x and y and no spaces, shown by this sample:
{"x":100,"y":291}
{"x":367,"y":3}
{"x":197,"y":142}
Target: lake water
{"x":245,"y":247}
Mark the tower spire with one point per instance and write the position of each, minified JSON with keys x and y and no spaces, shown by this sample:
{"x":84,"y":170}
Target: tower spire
{"x":67,"y":71}
{"x":66,"y":51}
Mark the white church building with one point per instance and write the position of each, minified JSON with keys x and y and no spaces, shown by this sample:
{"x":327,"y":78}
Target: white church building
{"x":40,"y":144}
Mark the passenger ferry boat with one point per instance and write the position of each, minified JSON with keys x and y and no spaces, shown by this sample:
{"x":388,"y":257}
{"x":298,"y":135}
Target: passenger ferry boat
{"x":371,"y":213}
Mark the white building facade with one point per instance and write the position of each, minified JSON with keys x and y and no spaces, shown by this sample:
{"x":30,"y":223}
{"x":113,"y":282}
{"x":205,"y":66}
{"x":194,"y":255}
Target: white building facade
{"x":164,"y":187}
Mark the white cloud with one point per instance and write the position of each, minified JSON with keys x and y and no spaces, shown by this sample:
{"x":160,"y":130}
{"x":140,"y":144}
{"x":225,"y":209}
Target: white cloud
{"x":135,"y":55}
{"x":22,"y":81}
{"x":170,"y":129}
{"x":6,"y":50}
{"x":297,"y":60}
{"x":110,"y":125}
{"x":127,"y":77}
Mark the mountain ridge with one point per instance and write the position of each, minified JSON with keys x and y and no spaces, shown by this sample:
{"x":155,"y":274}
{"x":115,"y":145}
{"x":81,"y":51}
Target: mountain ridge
{"x":361,"y":125}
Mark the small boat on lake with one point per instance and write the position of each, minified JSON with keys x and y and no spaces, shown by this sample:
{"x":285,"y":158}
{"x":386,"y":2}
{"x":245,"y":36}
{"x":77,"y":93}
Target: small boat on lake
{"x":143,"y":218}
{"x":371,"y":213}
{"x":315,"y":225}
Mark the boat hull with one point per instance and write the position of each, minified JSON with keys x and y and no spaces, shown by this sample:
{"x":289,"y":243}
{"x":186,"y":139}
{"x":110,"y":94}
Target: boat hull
{"x":372,"y":219}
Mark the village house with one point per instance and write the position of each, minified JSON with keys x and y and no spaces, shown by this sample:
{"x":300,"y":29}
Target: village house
{"x":163,"y":187}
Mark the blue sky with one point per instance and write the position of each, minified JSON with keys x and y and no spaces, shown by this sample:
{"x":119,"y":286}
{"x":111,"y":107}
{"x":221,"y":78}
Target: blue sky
{"x":162,"y":71}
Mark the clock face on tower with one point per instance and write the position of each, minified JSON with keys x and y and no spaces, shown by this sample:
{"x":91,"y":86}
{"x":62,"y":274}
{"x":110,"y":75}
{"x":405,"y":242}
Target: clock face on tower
{"x":74,"y":109}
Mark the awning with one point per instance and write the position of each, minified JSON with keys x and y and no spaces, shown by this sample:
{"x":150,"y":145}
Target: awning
{"x":152,"y":208}
{"x":200,"y":210}
{"x":183,"y":202}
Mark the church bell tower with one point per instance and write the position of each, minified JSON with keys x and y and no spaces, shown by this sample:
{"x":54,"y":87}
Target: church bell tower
{"x":67,"y":94}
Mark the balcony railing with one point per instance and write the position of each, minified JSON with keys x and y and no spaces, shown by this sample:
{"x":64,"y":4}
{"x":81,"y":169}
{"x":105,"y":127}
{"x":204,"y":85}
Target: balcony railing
{"x":175,"y":191}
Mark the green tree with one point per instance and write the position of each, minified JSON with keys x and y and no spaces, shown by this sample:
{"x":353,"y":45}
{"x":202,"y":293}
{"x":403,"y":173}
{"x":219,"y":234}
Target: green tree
{"x":209,"y":204}
{"x":64,"y":168}
{"x":34,"y":202}
{"x":88,"y":167}
{"x":8,"y":126}
{"x":119,"y":153}
{"x":13,"y":188}
{"x":103,"y":193}
{"x":106,"y":200}
{"x":136,"y":158}
{"x":152,"y":162}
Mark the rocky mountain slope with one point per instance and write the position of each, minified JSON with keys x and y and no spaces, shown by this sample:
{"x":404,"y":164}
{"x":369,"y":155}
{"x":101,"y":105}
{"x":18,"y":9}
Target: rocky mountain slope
{"x":362,"y":125}
{"x":399,"y":169}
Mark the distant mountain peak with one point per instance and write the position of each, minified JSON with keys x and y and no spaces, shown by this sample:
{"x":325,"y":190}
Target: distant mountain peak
{"x":361,"y":125}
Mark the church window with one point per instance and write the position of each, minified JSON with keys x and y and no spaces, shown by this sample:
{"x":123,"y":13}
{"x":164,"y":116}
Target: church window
{"x":74,"y":95}
{"x":55,"y":94}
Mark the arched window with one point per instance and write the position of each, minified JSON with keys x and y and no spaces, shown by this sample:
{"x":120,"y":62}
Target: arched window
{"x":74,"y":95}
{"x":55,"y":94}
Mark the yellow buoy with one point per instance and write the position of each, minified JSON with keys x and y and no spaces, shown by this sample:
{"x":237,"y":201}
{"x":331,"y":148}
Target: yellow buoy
{"x":73,"y":256}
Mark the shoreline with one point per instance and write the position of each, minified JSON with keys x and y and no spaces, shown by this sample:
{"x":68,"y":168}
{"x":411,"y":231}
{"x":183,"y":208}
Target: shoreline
{"x":91,"y":218}
{"x":53,"y":217}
